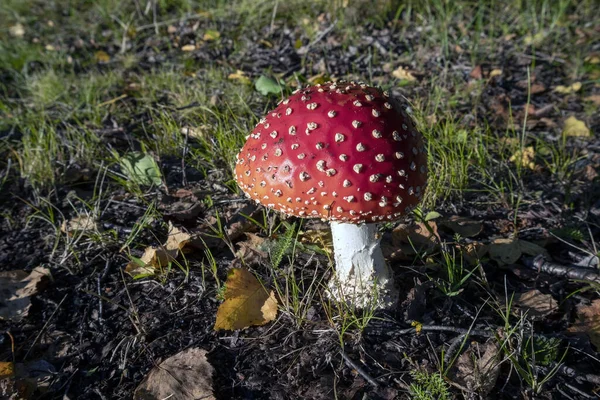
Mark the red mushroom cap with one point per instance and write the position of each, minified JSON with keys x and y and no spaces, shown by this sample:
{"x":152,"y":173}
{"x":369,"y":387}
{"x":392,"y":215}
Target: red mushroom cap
{"x":339,"y":151}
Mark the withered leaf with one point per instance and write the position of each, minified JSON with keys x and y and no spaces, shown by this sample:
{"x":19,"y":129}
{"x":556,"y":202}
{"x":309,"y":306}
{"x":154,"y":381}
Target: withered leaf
{"x":184,"y":376}
{"x":465,"y":227}
{"x":246,"y":303}
{"x":588,"y":322}
{"x":575,"y":127}
{"x":535,"y":303}
{"x":16,"y":289}
{"x":478,"y":368}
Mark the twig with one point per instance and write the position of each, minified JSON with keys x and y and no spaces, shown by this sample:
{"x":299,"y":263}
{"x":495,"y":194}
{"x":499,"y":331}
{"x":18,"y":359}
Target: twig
{"x":359,"y":369}
{"x":44,"y":327}
{"x":566,"y":271}
{"x":440,"y":328}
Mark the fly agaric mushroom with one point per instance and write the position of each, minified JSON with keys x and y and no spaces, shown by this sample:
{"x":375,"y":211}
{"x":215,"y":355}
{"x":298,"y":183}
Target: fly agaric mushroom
{"x":346,"y":153}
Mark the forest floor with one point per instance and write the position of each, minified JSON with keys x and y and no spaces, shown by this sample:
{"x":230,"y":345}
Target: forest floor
{"x":122,"y":229}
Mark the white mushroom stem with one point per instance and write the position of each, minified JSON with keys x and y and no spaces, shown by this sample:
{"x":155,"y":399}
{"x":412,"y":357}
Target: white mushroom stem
{"x":362,"y":277}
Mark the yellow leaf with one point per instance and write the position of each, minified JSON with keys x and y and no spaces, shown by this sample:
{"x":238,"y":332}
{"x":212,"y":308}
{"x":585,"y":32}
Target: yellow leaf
{"x":7,"y":369}
{"x":188,"y":47}
{"x":49,"y":47}
{"x":568,"y":89}
{"x":211,"y":34}
{"x":418,"y":326}
{"x":536,"y":39}
{"x":403,"y":74}
{"x":239,"y":75}
{"x":593,"y":59}
{"x":246,"y":303}
{"x":495,"y":72}
{"x":101,"y":57}
{"x":575,"y":127}
{"x":525,"y":157}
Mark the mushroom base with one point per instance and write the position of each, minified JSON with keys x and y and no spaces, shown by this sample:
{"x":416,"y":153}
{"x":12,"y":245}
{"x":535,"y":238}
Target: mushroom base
{"x":362,"y":278}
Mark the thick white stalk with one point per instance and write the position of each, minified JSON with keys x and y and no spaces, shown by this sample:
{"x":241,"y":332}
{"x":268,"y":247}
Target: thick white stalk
{"x":362,"y":277}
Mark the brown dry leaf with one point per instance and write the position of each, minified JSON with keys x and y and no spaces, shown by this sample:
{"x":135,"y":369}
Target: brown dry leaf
{"x":463,"y":226}
{"x":16,"y":289}
{"x":537,"y":88}
{"x":588,"y":322}
{"x":478,"y":368}
{"x":239,"y":75}
{"x":184,"y":376}
{"x":505,"y":251}
{"x":7,"y":369}
{"x":575,"y":87}
{"x":524,"y":157}
{"x":403,"y":74}
{"x":575,"y":127}
{"x":251,"y":250}
{"x":171,"y":29}
{"x":595,"y":98}
{"x":535,"y":303}
{"x":416,"y":234}
{"x":246,"y":303}
{"x":79,"y":224}
{"x":188,"y":47}
{"x":473,"y":252}
{"x":476,"y":73}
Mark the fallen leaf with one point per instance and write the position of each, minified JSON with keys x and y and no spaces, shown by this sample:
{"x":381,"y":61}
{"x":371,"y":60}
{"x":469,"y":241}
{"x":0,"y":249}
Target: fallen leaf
{"x":535,"y":303}
{"x":50,"y":47}
{"x":17,"y":30}
{"x":592,"y":59}
{"x":575,"y":87}
{"x":588,"y":322}
{"x":474,"y":252}
{"x":532,"y":249}
{"x":141,"y":168}
{"x":188,"y":47}
{"x":403,"y":74}
{"x":34,"y":378}
{"x":239,"y":75}
{"x":418,"y":234}
{"x":211,"y":35}
{"x":199,"y":132}
{"x":154,"y":258}
{"x":595,"y":98}
{"x":495,"y":72}
{"x":478,"y":368}
{"x":505,"y":251}
{"x":185,"y":376}
{"x":576,"y":128}
{"x":476,"y":73}
{"x":7,"y":369}
{"x":535,"y":40}
{"x":101,"y":57}
{"x":465,"y":227}
{"x":417,"y":325}
{"x":16,"y":289}
{"x":537,"y":88}
{"x":524,"y":157}
{"x":80,"y":224}
{"x":171,"y":29}
{"x":253,"y":250}
{"x":246,"y":303}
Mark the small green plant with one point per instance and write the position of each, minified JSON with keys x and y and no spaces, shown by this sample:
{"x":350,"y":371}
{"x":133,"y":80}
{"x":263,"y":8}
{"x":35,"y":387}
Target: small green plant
{"x":428,"y":386}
